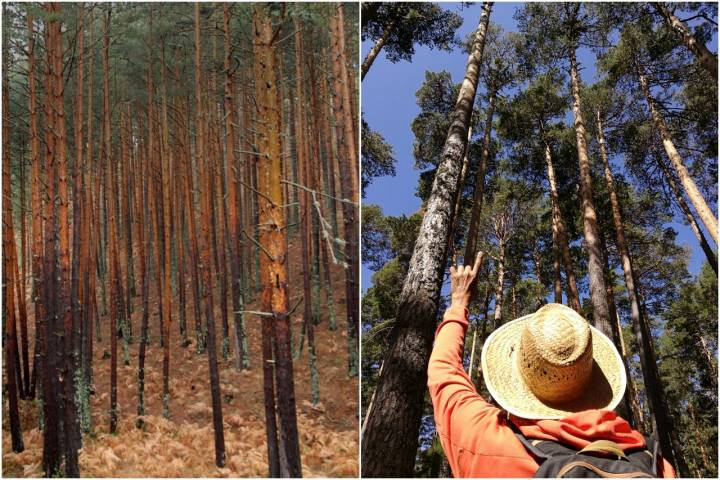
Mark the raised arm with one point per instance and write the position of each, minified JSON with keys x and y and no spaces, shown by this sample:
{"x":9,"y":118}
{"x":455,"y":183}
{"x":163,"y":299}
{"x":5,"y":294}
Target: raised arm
{"x":461,"y":414}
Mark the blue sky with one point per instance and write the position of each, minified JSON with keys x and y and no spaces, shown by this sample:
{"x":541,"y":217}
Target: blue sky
{"x":389,"y":106}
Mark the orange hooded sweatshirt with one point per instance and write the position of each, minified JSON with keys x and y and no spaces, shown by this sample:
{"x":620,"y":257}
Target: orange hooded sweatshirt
{"x":475,"y":435}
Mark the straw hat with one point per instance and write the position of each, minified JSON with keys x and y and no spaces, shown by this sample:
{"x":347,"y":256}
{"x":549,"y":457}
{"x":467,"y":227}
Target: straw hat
{"x":552,"y":363}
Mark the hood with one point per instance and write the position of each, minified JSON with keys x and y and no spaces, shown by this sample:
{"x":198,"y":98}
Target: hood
{"x":582,"y":428}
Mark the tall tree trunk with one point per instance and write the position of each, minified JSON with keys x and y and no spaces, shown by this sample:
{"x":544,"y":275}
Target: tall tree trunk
{"x":319,"y":223}
{"x":80,"y":241}
{"x":111,"y":218}
{"x":144,"y":249}
{"x":391,"y":434}
{"x":696,"y":198}
{"x":65,"y":364}
{"x":557,"y":283}
{"x":189,"y":204}
{"x":601,"y":317}
{"x":37,"y":208}
{"x":704,"y":56}
{"x":458,"y":199}
{"x":710,"y":360}
{"x":220,"y":240}
{"x":21,"y":284}
{"x":618,"y":223}
{"x":560,"y":232}
{"x":499,"y":297}
{"x":234,"y":214}
{"x":478,"y":192}
{"x":52,"y":434}
{"x":89,"y":273}
{"x":305,"y":201}
{"x":375,"y":50}
{"x":204,"y":164}
{"x":632,"y":393}
{"x":331,"y":147}
{"x":9,"y":280}
{"x":274,"y":255}
{"x":144,"y":238}
{"x":345,"y":133}
{"x":625,"y":409}
{"x":167,"y":292}
{"x":471,"y":362}
{"x":660,"y":418}
{"x":680,"y":200}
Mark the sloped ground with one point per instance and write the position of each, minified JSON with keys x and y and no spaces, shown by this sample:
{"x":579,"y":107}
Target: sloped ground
{"x":183,"y":446}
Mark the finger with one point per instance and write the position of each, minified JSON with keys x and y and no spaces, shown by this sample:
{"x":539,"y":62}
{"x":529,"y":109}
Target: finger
{"x":478,"y":260}
{"x":467,"y":270}
{"x":453,"y":272}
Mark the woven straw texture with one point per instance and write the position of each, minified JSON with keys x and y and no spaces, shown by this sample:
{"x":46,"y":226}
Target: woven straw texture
{"x":580,"y":370}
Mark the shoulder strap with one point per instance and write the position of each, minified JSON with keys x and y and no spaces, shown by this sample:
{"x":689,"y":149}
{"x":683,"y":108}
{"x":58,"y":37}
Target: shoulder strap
{"x":605,"y":446}
{"x":652,"y":445}
{"x":542,"y":449}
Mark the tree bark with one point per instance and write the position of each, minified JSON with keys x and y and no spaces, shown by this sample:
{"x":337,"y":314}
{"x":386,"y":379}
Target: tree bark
{"x":113,"y":277}
{"x":471,"y":362}
{"x":63,"y":353}
{"x":499,"y":285}
{"x":458,"y":199}
{"x":8,"y":281}
{"x":625,"y":409}
{"x":601,"y":317}
{"x":680,"y":200}
{"x":560,"y":232}
{"x":167,"y":234}
{"x":391,"y":435}
{"x":706,"y":58}
{"x":660,"y":417}
{"x":52,"y":440}
{"x":375,"y":50}
{"x":203,"y":165}
{"x":557,"y":283}
{"x":274,"y":256}
{"x":37,"y":208}
{"x":472,"y":235}
{"x":80,"y":240}
{"x":345,"y":134}
{"x":306,"y":206}
{"x":89,"y":272}
{"x":234,"y":215}
{"x":618,"y":223}
{"x":632,"y":395}
{"x":696,"y":198}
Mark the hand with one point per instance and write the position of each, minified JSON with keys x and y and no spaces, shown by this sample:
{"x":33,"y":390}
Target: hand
{"x":462,"y":282}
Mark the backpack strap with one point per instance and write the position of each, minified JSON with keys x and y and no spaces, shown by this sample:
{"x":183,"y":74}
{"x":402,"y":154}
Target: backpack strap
{"x":605,"y":446}
{"x":652,"y":445}
{"x":541,"y":449}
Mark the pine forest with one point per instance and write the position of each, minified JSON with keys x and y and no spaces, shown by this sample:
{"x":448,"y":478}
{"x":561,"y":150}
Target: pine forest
{"x":180,"y":239}
{"x":572,"y":145}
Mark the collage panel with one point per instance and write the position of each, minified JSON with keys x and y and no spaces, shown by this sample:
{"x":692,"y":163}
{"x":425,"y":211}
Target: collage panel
{"x":539,"y":238}
{"x":359,"y":239}
{"x":180,"y":239}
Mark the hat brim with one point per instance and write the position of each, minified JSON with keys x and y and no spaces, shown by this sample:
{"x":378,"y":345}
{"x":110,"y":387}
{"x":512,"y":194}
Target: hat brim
{"x":604,"y":389}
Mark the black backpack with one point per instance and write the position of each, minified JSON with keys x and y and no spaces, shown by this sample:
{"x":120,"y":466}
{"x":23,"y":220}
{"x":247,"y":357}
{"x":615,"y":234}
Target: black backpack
{"x":600,"y":459}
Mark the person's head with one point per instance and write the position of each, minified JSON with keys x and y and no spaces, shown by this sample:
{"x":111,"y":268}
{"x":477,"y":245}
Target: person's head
{"x":552,"y":363}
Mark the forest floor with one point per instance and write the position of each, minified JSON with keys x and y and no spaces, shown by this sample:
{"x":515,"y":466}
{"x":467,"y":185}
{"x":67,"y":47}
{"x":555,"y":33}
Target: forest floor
{"x":183,"y":445}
